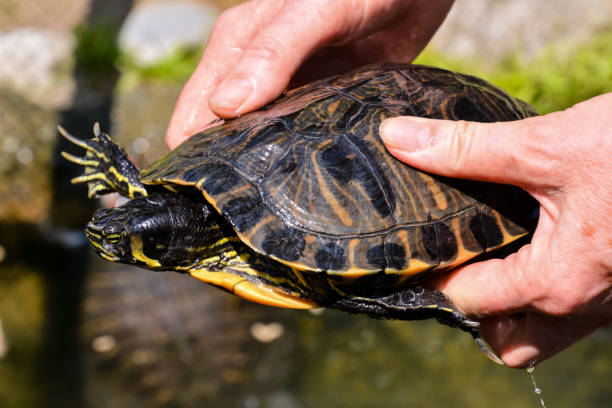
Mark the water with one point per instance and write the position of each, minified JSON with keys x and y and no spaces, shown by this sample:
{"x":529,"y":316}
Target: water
{"x":536,"y":389}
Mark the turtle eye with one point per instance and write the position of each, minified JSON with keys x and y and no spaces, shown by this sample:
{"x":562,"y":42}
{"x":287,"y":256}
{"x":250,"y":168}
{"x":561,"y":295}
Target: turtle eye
{"x":113,"y":238}
{"x":113,"y":232}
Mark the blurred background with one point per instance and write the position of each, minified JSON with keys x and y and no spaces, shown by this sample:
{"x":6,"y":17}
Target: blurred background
{"x":79,"y":332}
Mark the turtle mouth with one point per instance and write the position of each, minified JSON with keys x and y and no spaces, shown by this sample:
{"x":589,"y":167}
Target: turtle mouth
{"x":96,"y":239}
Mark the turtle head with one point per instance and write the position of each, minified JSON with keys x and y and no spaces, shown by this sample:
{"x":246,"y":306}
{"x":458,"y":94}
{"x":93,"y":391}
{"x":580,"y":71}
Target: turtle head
{"x":159,"y":231}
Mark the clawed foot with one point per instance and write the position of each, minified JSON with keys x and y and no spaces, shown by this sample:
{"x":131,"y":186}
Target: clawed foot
{"x":107,"y":167}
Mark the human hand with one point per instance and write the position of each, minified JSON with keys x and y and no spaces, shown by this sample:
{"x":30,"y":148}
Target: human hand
{"x":258,"y":47}
{"x":558,"y":288}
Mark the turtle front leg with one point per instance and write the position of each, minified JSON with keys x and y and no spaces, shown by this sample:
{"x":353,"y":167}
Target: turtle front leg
{"x":107,"y":167}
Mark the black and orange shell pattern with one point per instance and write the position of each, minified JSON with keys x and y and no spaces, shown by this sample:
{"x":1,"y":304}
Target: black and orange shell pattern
{"x":307,"y":181}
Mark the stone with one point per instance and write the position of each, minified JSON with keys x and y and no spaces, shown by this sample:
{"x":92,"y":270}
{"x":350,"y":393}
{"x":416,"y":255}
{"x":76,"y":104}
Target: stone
{"x":525,"y":27}
{"x":154,"y":31}
{"x":37,"y":64}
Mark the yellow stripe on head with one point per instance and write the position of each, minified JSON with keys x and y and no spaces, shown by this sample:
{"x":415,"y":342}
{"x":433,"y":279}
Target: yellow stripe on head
{"x":139,"y":255}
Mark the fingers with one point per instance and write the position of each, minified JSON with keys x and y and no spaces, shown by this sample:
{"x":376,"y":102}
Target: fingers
{"x":519,"y":283}
{"x":507,"y":291}
{"x":537,"y":153}
{"x":304,"y":26}
{"x":251,"y":55}
{"x":490,"y":287}
{"x":516,"y":152}
{"x":272,"y":57}
{"x":234,"y":30}
{"x":523,"y":341}
{"x":555,"y":290}
{"x":257,"y":47}
{"x":537,"y":301}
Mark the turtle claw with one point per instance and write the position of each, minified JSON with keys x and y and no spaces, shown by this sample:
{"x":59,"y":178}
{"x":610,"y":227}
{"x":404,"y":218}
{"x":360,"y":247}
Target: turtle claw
{"x":475,"y":332}
{"x":79,"y":160}
{"x":96,"y":130}
{"x":96,"y":184}
{"x":457,"y":319}
{"x":107,"y":168}
{"x":72,"y":139}
{"x":488,"y":352}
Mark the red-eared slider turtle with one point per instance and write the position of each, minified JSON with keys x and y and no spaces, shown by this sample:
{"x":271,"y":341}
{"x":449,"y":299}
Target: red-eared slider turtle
{"x":299,"y":205}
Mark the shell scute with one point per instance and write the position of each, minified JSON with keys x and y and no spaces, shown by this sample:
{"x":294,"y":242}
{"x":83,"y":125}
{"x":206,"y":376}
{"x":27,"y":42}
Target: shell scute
{"x":308,"y":182}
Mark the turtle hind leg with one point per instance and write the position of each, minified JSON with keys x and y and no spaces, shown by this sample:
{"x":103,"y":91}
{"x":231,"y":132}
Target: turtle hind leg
{"x":107,"y":167}
{"x":415,"y":303}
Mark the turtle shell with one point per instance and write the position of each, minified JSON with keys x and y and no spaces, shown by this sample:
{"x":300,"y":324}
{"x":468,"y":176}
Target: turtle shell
{"x":307,"y":181}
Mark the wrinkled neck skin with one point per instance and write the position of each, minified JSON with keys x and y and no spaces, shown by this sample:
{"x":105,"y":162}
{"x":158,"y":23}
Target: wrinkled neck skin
{"x":160,"y":232}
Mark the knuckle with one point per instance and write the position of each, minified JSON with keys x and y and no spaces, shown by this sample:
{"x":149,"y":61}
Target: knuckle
{"x":266,"y":48}
{"x":523,"y":287}
{"x":538,"y":134}
{"x":224,"y":23}
{"x":231,"y":15}
{"x":566,"y":305}
{"x":460,"y":145}
{"x":559,"y":293}
{"x":535,"y":154}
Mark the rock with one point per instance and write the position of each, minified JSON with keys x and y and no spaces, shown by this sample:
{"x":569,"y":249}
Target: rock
{"x":27,"y":137}
{"x":154,"y":31}
{"x":37,"y":64}
{"x":493,"y":30}
{"x":58,"y":15}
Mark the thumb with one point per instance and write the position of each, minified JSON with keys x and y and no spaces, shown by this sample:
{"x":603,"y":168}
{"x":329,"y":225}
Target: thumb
{"x":502,"y":152}
{"x":495,"y":286}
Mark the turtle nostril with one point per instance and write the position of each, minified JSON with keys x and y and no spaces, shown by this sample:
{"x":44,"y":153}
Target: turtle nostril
{"x":93,"y":226}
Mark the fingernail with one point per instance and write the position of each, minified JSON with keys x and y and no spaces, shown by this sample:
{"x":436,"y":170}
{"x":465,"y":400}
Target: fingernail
{"x":232,"y":95}
{"x":407,"y":134}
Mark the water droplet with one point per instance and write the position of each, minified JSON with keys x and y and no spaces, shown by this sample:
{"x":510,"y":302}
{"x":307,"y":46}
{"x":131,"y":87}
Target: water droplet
{"x":537,"y":390}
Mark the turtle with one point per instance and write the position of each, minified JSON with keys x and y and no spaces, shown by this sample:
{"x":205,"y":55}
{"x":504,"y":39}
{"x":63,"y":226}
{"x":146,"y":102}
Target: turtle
{"x":299,"y":204}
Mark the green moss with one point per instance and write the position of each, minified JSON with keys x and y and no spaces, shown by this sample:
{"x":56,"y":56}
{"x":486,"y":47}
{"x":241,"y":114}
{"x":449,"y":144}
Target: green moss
{"x":176,"y":67}
{"x":558,"y":78}
{"x":96,"y":49}
{"x":97,"y":53}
